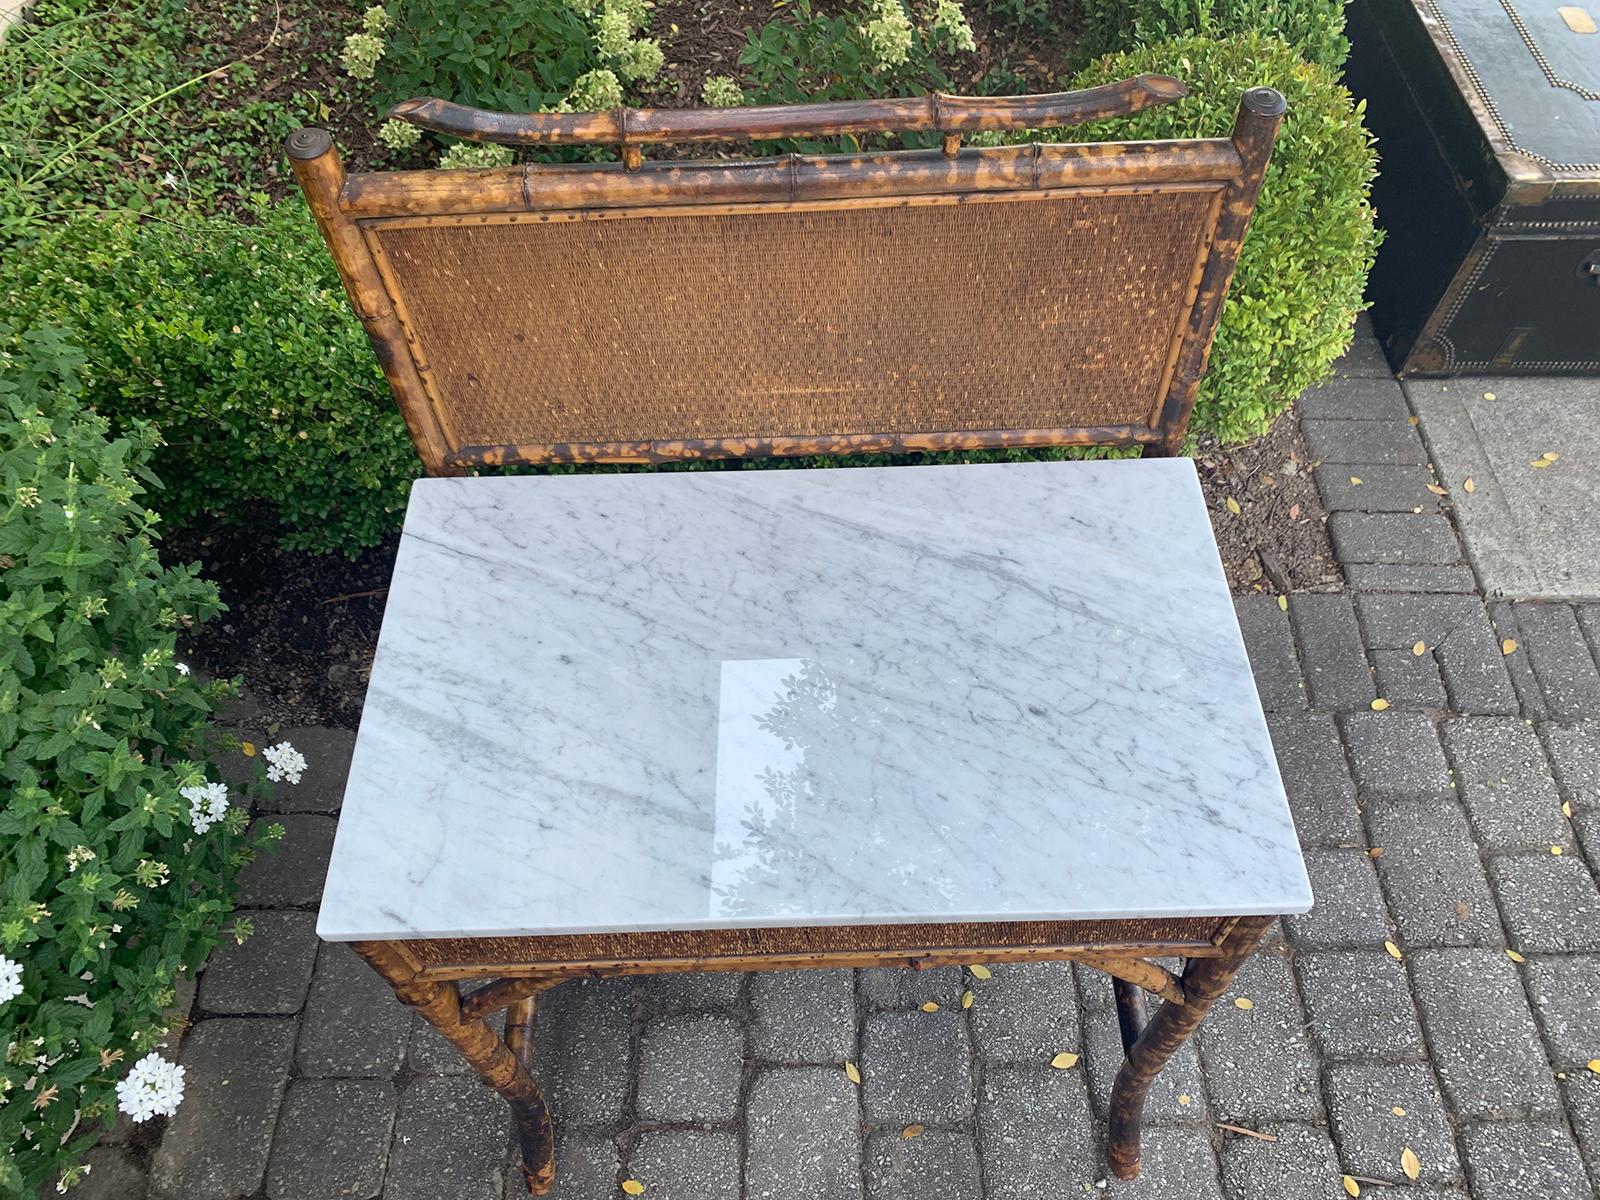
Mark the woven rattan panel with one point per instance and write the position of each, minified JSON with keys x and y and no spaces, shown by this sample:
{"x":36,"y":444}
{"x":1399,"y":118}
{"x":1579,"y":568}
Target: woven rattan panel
{"x":1039,"y":313}
{"x":711,"y":943}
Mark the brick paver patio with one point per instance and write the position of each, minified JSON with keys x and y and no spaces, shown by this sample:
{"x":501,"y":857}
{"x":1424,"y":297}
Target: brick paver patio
{"x":1442,"y":996}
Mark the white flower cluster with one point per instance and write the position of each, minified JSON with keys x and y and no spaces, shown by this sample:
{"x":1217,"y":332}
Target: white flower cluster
{"x":722,"y":91}
{"x":471,"y":155}
{"x":10,"y":979}
{"x":399,"y":135}
{"x":888,"y":34}
{"x":153,"y":1088}
{"x":595,"y":91}
{"x":208,"y":804}
{"x":950,"y":21}
{"x":284,"y":762}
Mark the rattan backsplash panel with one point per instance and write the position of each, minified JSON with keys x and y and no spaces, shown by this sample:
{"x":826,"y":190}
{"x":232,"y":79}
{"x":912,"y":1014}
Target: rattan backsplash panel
{"x":1039,"y":313}
{"x":703,"y":943}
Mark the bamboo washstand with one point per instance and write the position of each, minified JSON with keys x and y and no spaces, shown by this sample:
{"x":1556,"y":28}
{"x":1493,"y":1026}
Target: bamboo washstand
{"x":628,"y":723}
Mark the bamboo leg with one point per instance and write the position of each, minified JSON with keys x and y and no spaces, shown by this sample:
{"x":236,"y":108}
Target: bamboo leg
{"x":1204,"y":981}
{"x":501,"y":1064}
{"x":1133,"y":1013}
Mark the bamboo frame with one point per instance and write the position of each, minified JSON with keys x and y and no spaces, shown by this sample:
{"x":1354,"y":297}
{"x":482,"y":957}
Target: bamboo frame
{"x":351,"y":212}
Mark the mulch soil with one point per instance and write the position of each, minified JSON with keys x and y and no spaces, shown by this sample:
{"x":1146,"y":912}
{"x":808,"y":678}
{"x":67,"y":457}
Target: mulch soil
{"x":301,"y":628}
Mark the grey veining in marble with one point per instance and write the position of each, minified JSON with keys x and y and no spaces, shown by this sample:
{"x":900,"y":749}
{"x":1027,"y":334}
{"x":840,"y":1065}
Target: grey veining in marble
{"x":696,"y":700}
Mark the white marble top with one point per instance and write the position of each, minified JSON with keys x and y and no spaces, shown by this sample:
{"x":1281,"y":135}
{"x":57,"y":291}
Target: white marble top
{"x":788,"y":697}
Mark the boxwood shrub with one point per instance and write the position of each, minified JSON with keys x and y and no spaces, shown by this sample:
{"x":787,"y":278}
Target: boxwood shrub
{"x":1311,"y":242}
{"x":107,"y":891}
{"x":1313,"y":27}
{"x":238,"y":341}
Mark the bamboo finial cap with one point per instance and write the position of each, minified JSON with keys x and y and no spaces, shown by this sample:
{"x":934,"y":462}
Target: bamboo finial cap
{"x":309,"y":143}
{"x":1265,"y":102}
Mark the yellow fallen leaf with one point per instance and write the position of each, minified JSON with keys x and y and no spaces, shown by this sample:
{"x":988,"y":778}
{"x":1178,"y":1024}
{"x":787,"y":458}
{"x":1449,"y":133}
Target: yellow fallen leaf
{"x":1437,"y":490}
{"x":1064,"y":1061}
{"x":1351,"y":1187}
{"x":1566,"y":808}
{"x":1185,"y":1099}
{"x":1514,"y":956}
{"x":1394,"y":951}
{"x":852,"y":1072}
{"x":1398,"y":1111}
{"x":979,"y":971}
{"x":1469,"y":486}
{"x":1550,"y":456}
{"x":1594,"y":1065}
{"x":1379,"y":704}
{"x":1556,"y":850}
{"x":1375,"y":852}
{"x":966,"y":999}
{"x":1410,"y":1163}
{"x":911,"y":1131}
{"x":1356,"y":479}
{"x":249,"y":749}
{"x":1283,"y":603}
{"x":633,"y":1187}
{"x":1509,"y":646}
{"x":1488,"y":395}
{"x":930,"y":1006}
{"x":1233,"y":505}
{"x":1419,"y":649}
{"x":1540,"y":462}
{"x":1244,"y":1002}
{"x":1416,"y":420}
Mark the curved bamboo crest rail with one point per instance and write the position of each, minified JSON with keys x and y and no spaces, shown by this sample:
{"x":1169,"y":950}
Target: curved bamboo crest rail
{"x":950,"y":116}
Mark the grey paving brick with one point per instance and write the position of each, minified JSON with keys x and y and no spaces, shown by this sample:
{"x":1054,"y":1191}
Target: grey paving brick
{"x":1407,"y":680}
{"x":692,"y":991}
{"x":1298,"y":1165}
{"x":1519,"y":664}
{"x":112,"y":1175}
{"x":235,"y":1072}
{"x":1561,"y":659}
{"x":803,"y":1136}
{"x":686,"y":1164}
{"x":690,"y":1068}
{"x":353,"y":1025}
{"x":1458,"y":636}
{"x":332,"y":1141}
{"x":1589,"y":620}
{"x":1365,"y":357}
{"x":581,"y":1054}
{"x":1431,"y":874}
{"x":1575,"y":759}
{"x":1179,"y":1164}
{"x":803,"y":1016}
{"x":1360,"y":1005}
{"x":1394,"y":538}
{"x":1409,"y":577}
{"x":939,"y":1162}
{"x":1349,"y":908}
{"x":321,"y":788}
{"x":1549,"y":902}
{"x":1565,"y":990}
{"x":269,"y":973}
{"x":916,"y":1067}
{"x":587,"y":1166}
{"x":1270,"y":644}
{"x":1381,"y":488}
{"x":1258,"y":1065}
{"x":1504,"y":781}
{"x":1395,"y":754}
{"x":1490,"y":1058}
{"x":1322,"y":795}
{"x":1362,"y":1098}
{"x":898,"y":987}
{"x":1586,"y":823}
{"x":292,"y":876}
{"x":1524,"y":1162}
{"x":1363,"y":442}
{"x":1581,"y":1091}
{"x":428,"y":1053}
{"x":1353,"y":400}
{"x":1178,"y":1094}
{"x":1024,"y":1012}
{"x":449,"y":1140}
{"x":1330,"y":647}
{"x":1035,"y":1135}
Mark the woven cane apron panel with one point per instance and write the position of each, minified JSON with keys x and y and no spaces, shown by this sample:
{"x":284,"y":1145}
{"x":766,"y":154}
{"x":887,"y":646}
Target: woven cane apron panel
{"x":1042,"y":313}
{"x":712,"y":943}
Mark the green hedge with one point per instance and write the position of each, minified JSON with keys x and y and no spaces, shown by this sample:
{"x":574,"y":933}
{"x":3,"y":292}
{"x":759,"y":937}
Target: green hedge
{"x":238,"y":341}
{"x":1313,"y":27}
{"x":1304,"y":264}
{"x":107,"y":887}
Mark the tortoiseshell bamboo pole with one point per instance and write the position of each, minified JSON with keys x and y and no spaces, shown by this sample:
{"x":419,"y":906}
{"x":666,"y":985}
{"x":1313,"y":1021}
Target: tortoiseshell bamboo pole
{"x":501,"y":1067}
{"x":1204,"y":981}
{"x":1133,"y":1014}
{"x":317,"y":166}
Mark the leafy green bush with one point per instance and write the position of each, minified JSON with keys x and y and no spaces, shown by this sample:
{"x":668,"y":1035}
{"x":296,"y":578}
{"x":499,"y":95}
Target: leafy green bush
{"x":1298,"y":285}
{"x":1313,"y":27}
{"x":239,"y":343}
{"x":109,"y":887}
